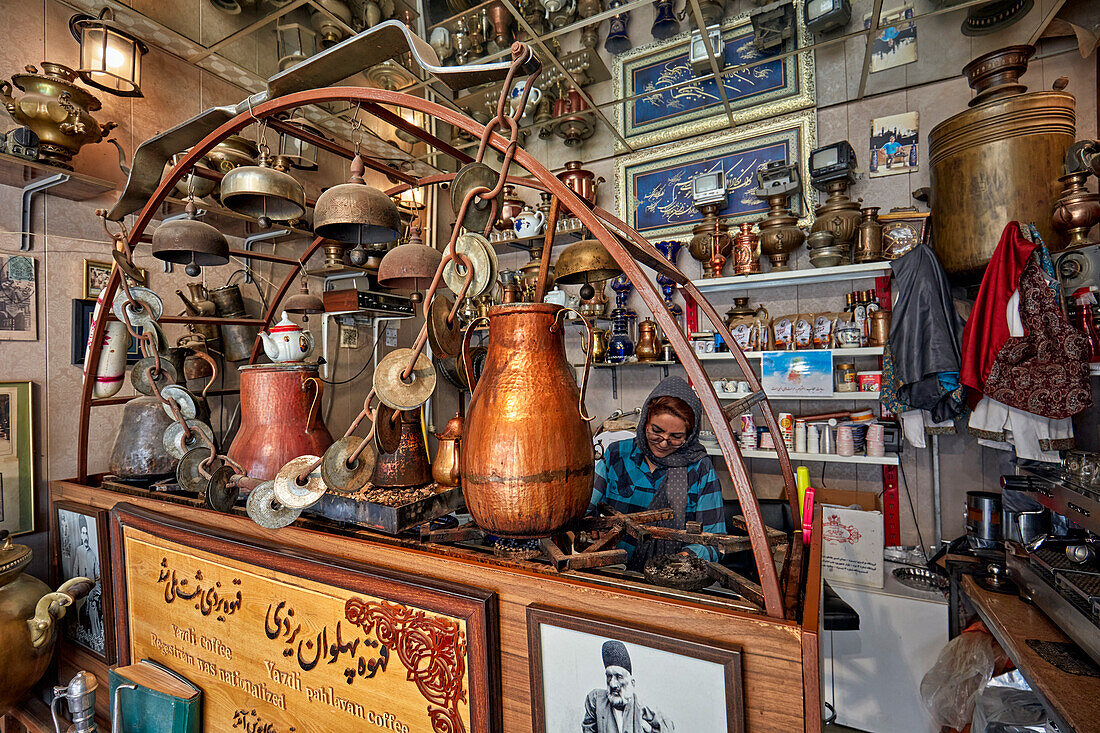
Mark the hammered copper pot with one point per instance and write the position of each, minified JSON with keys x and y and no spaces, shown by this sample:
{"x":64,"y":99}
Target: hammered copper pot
{"x":997,"y":162}
{"x":280,"y":418}
{"x":138,"y":451}
{"x":527,"y":458}
{"x":408,"y":465}
{"x":28,"y":627}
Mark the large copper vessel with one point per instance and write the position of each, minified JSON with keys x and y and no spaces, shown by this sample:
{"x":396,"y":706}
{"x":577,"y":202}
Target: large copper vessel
{"x":997,"y":162}
{"x":29,"y":613}
{"x":280,"y":417}
{"x":527,"y":459}
{"x":408,"y":465}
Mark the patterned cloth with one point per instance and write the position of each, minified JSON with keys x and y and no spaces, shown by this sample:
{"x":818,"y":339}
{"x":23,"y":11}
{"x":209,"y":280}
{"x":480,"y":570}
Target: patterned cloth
{"x":624,"y":481}
{"x":1046,"y":371}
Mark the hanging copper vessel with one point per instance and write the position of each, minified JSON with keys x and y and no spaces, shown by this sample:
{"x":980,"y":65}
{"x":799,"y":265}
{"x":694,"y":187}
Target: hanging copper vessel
{"x":356,"y":213}
{"x":29,"y":616}
{"x":445,"y":467}
{"x":263,"y":192}
{"x":138,"y":451}
{"x":280,"y":418}
{"x":779,"y":232}
{"x":583,"y":182}
{"x":997,"y":162}
{"x":869,"y":242}
{"x":238,"y":340}
{"x":839,"y":215}
{"x":1077,"y":210}
{"x":55,"y":109}
{"x":527,"y":458}
{"x":408,"y":465}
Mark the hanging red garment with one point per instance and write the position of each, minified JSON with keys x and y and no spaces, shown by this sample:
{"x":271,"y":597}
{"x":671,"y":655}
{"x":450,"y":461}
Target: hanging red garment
{"x":987,"y":327}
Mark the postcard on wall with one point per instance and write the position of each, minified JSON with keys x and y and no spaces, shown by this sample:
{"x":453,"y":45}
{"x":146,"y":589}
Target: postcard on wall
{"x":797,"y":373}
{"x":18,"y":299}
{"x":896,"y":42}
{"x":893,"y":145}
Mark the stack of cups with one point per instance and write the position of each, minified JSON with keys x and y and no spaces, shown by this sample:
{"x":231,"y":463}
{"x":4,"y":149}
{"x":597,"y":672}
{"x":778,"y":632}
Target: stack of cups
{"x":875,"y":444}
{"x":813,"y":438}
{"x":845,"y":446}
{"x":799,"y":436}
{"x":748,"y":432}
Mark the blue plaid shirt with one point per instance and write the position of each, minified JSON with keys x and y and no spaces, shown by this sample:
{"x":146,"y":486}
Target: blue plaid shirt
{"x":624,"y":481}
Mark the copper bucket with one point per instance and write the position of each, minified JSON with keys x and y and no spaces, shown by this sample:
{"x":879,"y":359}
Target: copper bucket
{"x":280,"y":417}
{"x":528,"y":462}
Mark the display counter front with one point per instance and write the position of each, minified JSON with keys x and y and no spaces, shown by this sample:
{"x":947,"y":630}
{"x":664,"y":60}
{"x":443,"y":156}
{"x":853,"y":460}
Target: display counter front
{"x":311,"y":627}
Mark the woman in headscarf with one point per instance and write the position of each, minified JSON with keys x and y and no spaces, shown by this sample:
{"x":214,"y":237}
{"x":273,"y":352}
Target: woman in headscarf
{"x":664,"y":467}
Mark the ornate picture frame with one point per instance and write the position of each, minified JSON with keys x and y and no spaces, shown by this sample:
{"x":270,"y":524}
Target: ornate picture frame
{"x":17,"y":457}
{"x":660,"y":679}
{"x":655,"y":114}
{"x":97,"y":273}
{"x":653,"y":192}
{"x":286,"y":638}
{"x":81,"y":548}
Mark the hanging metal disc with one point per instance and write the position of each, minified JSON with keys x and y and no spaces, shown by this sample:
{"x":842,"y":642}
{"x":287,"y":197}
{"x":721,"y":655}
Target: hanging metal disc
{"x":445,"y":338}
{"x":139,"y":375}
{"x":183,"y":398}
{"x":398,"y":393}
{"x":147,"y":309}
{"x":483,"y":260}
{"x":450,"y":370}
{"x":480,"y":211}
{"x":188,"y":475}
{"x":388,"y":428}
{"x":221,"y":492}
{"x":175,"y":443}
{"x":265,"y":510}
{"x":338,"y":475}
{"x":292,"y":494}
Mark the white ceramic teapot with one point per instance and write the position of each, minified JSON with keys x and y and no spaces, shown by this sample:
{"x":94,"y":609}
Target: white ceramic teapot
{"x":528,"y":223}
{"x":286,"y":341}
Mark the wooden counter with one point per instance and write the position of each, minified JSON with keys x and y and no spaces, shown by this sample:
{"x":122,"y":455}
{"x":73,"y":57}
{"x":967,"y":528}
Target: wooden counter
{"x":1071,"y":699}
{"x":779,"y":659}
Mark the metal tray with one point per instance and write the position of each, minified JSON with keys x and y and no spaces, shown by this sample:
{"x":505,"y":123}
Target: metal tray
{"x":387,"y":519}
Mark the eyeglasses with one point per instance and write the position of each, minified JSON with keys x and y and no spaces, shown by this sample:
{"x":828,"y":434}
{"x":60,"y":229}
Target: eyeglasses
{"x":657,"y":435}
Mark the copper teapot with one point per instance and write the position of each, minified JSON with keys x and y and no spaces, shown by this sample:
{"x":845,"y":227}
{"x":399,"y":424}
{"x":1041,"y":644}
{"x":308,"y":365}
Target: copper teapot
{"x":29,"y":613}
{"x":57,"y":110}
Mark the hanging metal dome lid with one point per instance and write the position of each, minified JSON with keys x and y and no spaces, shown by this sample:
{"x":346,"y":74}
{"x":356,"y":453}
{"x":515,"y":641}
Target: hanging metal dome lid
{"x":190,"y":242}
{"x":409,"y":266}
{"x":356,"y":213}
{"x":263,"y":192}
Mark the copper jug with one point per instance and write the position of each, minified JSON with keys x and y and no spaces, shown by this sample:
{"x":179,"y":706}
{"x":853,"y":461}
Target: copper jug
{"x":878,"y":332}
{"x":280,"y":417}
{"x":445,"y":468}
{"x":648,"y":348}
{"x":408,"y":465}
{"x":139,"y":445}
{"x":527,"y":458}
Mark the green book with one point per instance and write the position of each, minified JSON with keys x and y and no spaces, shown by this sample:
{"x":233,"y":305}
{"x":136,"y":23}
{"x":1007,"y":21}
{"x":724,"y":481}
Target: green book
{"x":164,"y":701}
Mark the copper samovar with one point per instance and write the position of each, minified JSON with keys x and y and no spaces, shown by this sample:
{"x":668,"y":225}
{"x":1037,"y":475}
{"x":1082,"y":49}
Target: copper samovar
{"x":583,"y":182}
{"x":527,"y":459}
{"x":998,"y":161}
{"x":280,"y":417}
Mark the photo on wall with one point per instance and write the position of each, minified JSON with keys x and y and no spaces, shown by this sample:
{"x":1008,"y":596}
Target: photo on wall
{"x":18,"y":299}
{"x":596,"y":677}
{"x":82,"y":552}
{"x":893,"y":145}
{"x":896,"y":42}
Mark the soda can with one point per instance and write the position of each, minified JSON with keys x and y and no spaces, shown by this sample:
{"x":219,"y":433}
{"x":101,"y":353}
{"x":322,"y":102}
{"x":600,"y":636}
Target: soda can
{"x":786,"y":429}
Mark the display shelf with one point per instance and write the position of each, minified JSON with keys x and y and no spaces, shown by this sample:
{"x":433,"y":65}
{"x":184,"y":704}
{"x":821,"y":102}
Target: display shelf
{"x":865,"y":270}
{"x":527,"y":243}
{"x":19,"y":173}
{"x":874,"y":396}
{"x":862,"y":351}
{"x":890,"y":459}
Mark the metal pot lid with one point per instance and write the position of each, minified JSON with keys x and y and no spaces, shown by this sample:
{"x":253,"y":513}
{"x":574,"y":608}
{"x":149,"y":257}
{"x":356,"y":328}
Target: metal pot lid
{"x":284,"y":367}
{"x":13,"y":558}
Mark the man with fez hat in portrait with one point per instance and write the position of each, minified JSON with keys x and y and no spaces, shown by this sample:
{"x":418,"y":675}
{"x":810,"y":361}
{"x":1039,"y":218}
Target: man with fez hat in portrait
{"x":617,"y":709}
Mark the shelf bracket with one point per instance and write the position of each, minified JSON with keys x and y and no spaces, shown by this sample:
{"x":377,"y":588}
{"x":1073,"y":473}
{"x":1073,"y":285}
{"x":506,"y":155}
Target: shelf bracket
{"x":614,"y":382}
{"x":253,"y":239}
{"x":29,"y":192}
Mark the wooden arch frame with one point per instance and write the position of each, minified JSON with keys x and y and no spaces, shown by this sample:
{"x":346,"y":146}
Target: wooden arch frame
{"x":628,"y":248}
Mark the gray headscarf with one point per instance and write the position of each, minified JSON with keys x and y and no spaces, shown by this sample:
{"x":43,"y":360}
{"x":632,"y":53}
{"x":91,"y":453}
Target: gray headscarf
{"x":673,"y":491}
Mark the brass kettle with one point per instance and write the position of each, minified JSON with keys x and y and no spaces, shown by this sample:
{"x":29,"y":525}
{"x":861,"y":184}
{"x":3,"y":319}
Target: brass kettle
{"x":57,"y":110}
{"x":29,"y":613}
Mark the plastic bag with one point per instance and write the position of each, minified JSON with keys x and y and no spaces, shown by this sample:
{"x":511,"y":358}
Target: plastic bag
{"x":1007,"y":705}
{"x":965,"y":665}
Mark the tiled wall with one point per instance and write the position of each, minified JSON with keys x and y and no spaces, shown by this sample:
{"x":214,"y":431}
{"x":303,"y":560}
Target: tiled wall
{"x":67,"y":232}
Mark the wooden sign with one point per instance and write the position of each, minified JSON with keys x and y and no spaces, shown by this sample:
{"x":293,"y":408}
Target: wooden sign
{"x":280,"y":642}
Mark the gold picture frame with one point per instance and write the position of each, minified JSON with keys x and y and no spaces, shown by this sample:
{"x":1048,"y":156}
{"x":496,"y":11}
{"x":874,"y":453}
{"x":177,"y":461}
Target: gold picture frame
{"x":97,"y":273}
{"x":17,"y":457}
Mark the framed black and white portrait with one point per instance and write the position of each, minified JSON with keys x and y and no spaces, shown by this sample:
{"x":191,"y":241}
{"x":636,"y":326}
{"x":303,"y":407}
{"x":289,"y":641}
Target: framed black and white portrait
{"x":596,"y":677}
{"x":81,"y":551}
